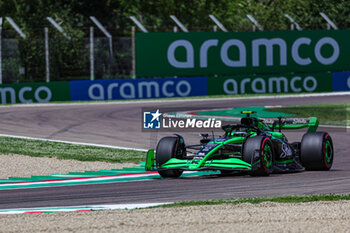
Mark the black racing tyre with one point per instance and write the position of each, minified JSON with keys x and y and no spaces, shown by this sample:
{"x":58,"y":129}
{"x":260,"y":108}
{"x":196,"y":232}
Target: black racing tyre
{"x":166,"y":149}
{"x":264,"y":146}
{"x":317,"y":151}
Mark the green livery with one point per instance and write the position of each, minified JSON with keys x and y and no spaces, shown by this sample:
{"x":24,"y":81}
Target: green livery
{"x":253,"y":146}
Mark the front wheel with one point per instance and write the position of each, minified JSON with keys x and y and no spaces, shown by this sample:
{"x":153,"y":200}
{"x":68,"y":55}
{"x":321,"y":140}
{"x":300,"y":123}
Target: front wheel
{"x":317,"y":151}
{"x":258,"y":152}
{"x":167,"y":148}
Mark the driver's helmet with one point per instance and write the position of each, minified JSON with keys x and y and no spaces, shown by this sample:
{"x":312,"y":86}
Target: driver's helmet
{"x":250,"y":121}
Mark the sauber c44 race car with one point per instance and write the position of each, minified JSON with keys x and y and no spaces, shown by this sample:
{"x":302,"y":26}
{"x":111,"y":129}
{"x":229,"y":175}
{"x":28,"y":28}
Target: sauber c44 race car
{"x":255,"y":146}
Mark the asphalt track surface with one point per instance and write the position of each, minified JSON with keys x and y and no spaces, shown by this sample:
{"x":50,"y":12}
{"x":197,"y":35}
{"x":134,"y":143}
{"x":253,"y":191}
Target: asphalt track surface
{"x":120,"y":124}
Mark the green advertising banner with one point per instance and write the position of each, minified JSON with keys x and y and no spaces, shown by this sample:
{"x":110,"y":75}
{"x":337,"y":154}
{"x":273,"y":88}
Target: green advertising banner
{"x":287,"y":83}
{"x":230,"y":53}
{"x":34,"y":92}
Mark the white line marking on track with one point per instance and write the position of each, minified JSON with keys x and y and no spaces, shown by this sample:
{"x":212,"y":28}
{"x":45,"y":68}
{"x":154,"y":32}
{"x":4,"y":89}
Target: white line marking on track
{"x":74,"y":143}
{"x":335,"y":126}
{"x":81,"y":208}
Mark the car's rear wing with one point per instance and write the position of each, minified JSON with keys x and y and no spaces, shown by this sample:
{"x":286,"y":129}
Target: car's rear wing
{"x":292,"y":123}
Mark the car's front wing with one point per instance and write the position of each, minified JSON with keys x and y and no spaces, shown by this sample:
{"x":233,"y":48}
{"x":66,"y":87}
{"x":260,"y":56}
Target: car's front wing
{"x":233,"y":164}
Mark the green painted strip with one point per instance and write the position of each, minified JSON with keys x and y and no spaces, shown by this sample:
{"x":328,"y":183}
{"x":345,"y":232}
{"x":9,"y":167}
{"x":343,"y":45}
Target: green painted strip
{"x":97,"y":173}
{"x":77,"y":182}
{"x":78,"y":174}
{"x":106,"y":172}
{"x":19,"y":178}
{"x":122,"y":172}
{"x":136,"y":169}
{"x":43,"y":178}
{"x":236,"y":112}
{"x":141,"y":169}
{"x":88,"y":174}
{"x":12,"y":181}
{"x":64,"y":176}
{"x":80,"y":182}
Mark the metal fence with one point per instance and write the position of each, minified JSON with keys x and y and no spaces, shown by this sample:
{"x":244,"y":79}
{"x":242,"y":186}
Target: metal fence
{"x":11,"y":61}
{"x":53,"y":54}
{"x":24,"y":61}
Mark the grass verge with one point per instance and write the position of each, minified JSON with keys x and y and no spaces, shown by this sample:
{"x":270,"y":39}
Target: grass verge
{"x":327,"y":114}
{"x":38,"y":148}
{"x":257,"y":200}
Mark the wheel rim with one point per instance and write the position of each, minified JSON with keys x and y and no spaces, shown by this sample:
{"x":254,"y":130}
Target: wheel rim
{"x":267,"y":156}
{"x":328,"y":152}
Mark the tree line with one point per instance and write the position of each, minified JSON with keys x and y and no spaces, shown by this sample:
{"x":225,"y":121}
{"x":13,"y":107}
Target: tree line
{"x":30,"y":14}
{"x":73,"y":16}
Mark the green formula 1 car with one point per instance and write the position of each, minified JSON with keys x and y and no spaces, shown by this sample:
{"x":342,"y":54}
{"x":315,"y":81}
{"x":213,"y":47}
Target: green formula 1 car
{"x":256,"y":146}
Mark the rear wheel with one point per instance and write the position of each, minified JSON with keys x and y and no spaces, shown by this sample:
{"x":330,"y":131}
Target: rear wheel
{"x":317,"y":151}
{"x":258,"y":152}
{"x":167,"y":148}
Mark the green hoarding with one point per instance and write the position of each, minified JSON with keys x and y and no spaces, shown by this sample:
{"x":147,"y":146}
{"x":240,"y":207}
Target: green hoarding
{"x":34,"y":92}
{"x":230,"y":53}
{"x":283,"y":83}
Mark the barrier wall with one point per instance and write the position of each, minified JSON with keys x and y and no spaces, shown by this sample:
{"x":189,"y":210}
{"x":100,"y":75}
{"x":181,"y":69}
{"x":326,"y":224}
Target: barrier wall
{"x":341,"y":81}
{"x":232,"y":53}
{"x":34,"y":92}
{"x":124,"y":89}
{"x":247,"y":63}
{"x":287,"y":83}
{"x":119,"y":89}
